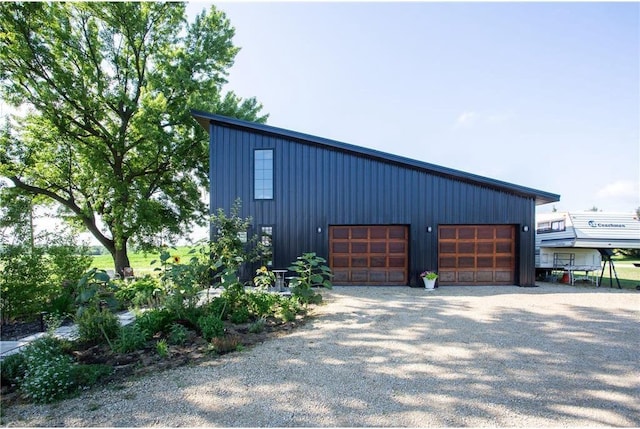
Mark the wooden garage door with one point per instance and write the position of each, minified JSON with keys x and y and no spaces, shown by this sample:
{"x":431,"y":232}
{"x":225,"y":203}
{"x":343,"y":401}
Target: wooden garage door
{"x":476,"y":254}
{"x":369,"y":254}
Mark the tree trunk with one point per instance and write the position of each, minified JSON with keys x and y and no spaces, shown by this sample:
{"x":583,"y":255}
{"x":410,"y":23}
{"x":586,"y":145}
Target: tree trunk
{"x":120,"y":258}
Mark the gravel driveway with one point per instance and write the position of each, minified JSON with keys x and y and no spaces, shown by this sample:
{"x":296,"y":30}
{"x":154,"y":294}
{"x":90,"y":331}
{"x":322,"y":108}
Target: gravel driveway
{"x":395,"y":356}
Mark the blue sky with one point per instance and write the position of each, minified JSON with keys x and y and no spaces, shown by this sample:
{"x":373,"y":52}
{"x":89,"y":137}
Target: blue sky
{"x":544,"y":95}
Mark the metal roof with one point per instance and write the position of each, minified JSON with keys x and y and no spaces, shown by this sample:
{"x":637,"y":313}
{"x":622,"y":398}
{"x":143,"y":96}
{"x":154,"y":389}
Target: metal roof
{"x":540,"y":197}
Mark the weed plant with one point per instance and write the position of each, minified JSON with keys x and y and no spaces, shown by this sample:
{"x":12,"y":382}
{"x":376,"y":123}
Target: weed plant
{"x":178,"y":334}
{"x":162,"y":348}
{"x":130,"y":338}
{"x":95,"y":326}
{"x":257,"y":326}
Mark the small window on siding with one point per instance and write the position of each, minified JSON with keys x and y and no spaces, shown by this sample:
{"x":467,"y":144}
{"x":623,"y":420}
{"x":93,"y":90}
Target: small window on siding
{"x":263,"y":174}
{"x":266,"y":241}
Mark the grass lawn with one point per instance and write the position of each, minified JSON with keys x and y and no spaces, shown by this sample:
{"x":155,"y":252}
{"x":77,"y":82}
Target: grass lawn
{"x":628,"y":274}
{"x":141,"y":262}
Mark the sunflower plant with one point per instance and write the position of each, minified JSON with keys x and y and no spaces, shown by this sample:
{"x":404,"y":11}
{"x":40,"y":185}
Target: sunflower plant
{"x":264,"y":278}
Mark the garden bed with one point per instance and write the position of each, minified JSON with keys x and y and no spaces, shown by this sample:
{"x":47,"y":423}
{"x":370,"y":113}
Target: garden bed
{"x":147,"y":360}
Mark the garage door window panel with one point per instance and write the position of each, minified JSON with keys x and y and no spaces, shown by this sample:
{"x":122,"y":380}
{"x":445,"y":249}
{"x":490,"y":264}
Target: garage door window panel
{"x":466,"y":248}
{"x":378,"y":247}
{"x":378,"y":261}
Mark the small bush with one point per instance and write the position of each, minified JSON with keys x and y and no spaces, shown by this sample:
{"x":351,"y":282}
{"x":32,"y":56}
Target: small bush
{"x":154,"y":321}
{"x":211,"y":327}
{"x":162,"y":348}
{"x":262,"y":304}
{"x":130,"y":338}
{"x":240,"y":315}
{"x":289,"y":307}
{"x":178,"y":334}
{"x":218,"y":306}
{"x":96,"y":326}
{"x":145,"y":291}
{"x":12,"y":368}
{"x":257,"y":326}
{"x":49,"y":372}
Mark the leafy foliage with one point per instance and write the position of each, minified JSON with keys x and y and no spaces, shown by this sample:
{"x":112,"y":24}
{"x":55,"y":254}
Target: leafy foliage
{"x":154,"y":321}
{"x":130,"y":338}
{"x":40,"y":278}
{"x":311,"y":271}
{"x":264,"y":278}
{"x":12,"y":369}
{"x":49,"y":372}
{"x":97,"y":326}
{"x":211,"y":326}
{"x":178,"y":334}
{"x":145,"y":291}
{"x":24,"y":282}
{"x":95,"y":289}
{"x":109,"y":135}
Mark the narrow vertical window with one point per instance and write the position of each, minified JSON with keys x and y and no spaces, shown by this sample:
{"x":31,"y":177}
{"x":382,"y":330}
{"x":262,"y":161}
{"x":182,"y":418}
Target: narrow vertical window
{"x":266,"y":242}
{"x":263,"y":174}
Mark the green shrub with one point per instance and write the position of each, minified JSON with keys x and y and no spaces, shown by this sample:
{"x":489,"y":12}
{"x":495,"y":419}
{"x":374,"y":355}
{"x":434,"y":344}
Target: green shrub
{"x":68,"y":262}
{"x":162,"y":348}
{"x":210,"y":326}
{"x":130,"y":338}
{"x":142,"y":292}
{"x":154,"y":321}
{"x":257,"y":326}
{"x":49,"y":373}
{"x":190,"y":315}
{"x":86,"y":376}
{"x":25,"y":282}
{"x":64,"y":302}
{"x":289,"y":307}
{"x":96,"y":326}
{"x":218,"y":306}
{"x":262,"y":304}
{"x":178,"y":334}
{"x":240,"y":315}
{"x":12,"y":369}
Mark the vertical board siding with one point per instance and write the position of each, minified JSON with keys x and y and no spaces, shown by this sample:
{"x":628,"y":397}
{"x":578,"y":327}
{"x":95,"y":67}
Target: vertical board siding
{"x":315,"y":187}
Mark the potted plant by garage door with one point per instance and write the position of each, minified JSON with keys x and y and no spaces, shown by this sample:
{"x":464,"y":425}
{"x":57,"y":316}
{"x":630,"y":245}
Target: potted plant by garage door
{"x":429,"y":279}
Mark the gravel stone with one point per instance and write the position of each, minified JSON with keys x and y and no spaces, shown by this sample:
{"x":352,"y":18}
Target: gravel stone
{"x":555,"y":355}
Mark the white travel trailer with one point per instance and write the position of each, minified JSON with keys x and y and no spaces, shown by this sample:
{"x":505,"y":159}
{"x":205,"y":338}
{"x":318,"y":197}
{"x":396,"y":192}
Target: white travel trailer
{"x":575,"y":241}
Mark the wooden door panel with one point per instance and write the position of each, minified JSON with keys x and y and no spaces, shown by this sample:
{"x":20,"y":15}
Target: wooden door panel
{"x":476,"y":254}
{"x":369,"y":254}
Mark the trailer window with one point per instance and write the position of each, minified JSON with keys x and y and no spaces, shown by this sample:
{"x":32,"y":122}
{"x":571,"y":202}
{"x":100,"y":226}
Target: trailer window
{"x":555,"y":226}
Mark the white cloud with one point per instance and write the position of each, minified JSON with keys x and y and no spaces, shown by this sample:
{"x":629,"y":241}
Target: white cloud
{"x":619,"y":189}
{"x":466,"y":119}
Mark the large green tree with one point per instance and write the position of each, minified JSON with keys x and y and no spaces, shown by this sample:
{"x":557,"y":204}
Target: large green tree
{"x":108,"y":88}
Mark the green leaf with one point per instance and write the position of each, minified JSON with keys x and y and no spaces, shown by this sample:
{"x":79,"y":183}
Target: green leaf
{"x":102,"y":276}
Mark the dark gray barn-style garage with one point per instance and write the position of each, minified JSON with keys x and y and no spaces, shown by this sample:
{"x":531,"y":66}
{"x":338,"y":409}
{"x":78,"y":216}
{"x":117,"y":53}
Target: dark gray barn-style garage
{"x":379,"y":219}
